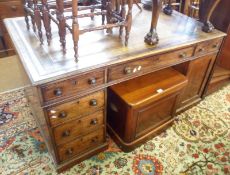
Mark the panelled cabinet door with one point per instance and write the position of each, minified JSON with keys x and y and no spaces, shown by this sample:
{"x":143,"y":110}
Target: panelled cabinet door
{"x":197,"y":74}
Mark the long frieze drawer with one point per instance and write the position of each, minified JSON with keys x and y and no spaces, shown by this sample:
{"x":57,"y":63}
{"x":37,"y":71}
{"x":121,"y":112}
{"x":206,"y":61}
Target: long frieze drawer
{"x":75,"y":109}
{"x":71,"y":130}
{"x":208,"y":46}
{"x":11,"y":9}
{"x":81,"y":145}
{"x":72,"y":85}
{"x":148,"y":64}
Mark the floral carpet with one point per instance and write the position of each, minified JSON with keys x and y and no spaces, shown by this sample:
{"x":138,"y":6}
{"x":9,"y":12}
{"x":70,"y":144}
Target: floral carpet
{"x":198,"y":143}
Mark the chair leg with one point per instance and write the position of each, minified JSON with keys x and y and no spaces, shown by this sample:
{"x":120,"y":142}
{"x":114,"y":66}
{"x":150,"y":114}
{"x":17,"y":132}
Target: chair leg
{"x":128,"y":21}
{"x":152,"y":38}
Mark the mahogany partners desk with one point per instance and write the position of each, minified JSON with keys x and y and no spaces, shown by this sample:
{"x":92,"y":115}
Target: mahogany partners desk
{"x":69,"y":99}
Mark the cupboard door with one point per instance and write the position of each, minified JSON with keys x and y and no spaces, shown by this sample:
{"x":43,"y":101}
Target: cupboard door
{"x":197,"y":74}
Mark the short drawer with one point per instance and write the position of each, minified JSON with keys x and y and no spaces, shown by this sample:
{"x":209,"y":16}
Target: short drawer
{"x":81,"y":145}
{"x":75,"y":109}
{"x":11,"y":9}
{"x":149,"y":64}
{"x":73,"y":129}
{"x":72,"y":86}
{"x":208,"y":46}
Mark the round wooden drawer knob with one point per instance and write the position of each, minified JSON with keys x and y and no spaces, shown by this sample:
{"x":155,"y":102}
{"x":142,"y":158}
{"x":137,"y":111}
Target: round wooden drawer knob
{"x":92,"y":81}
{"x":182,"y":55}
{"x":93,"y":102}
{"x":94,"y":122}
{"x":69,"y":151}
{"x":66,"y":133}
{"x":128,"y":70}
{"x":58,"y":92}
{"x":215,"y":46}
{"x":62,"y":114}
{"x":94,"y":139}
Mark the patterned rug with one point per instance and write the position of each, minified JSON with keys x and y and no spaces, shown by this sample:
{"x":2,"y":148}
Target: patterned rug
{"x":198,"y":143}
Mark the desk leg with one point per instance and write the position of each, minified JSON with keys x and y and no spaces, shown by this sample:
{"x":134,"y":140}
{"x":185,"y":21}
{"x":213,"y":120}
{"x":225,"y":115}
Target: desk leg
{"x":152,"y":38}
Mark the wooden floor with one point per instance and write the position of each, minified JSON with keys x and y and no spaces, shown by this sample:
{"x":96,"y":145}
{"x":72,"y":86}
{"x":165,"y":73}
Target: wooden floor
{"x":12,"y":74}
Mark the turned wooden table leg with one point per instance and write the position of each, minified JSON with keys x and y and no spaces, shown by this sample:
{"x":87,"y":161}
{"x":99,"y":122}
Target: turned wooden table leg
{"x":46,"y":20}
{"x":61,"y":23}
{"x":128,"y":21}
{"x":168,"y":8}
{"x":75,"y":28}
{"x":205,"y":12}
{"x":37,"y":18}
{"x":152,"y":38}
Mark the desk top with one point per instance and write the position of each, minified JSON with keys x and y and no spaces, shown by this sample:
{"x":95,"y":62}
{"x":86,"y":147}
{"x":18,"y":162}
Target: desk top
{"x":97,"y":49}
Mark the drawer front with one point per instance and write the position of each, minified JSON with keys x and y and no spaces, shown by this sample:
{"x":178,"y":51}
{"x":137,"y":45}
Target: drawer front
{"x":208,"y":46}
{"x":81,"y":145}
{"x":153,"y":115}
{"x":11,"y":9}
{"x":174,"y":57}
{"x":75,"y":109}
{"x":148,"y":64}
{"x":72,"y":86}
{"x":71,"y":130}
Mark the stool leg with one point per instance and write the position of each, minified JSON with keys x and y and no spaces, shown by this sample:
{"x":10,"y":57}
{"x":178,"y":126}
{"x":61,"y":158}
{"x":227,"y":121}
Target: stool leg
{"x":122,"y":14}
{"x":30,"y":5}
{"x":103,"y":7}
{"x":75,"y":28}
{"x":37,"y":18}
{"x":109,"y":9}
{"x":61,"y":23}
{"x":25,"y":3}
{"x":46,"y":20}
{"x":128,"y":21}
{"x":152,"y":38}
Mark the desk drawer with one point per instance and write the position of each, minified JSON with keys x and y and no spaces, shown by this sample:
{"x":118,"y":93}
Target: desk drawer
{"x":81,"y":145}
{"x":149,"y":64}
{"x":72,"y":86}
{"x":71,"y":130}
{"x":208,"y":46}
{"x":75,"y":109}
{"x":11,"y":9}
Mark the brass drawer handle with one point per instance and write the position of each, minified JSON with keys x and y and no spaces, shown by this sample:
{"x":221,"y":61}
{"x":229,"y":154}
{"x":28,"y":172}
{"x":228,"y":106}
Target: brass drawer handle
{"x":128,"y":70}
{"x":13,"y":7}
{"x":94,"y":122}
{"x":66,"y":133}
{"x":92,"y":81}
{"x":182,"y":55}
{"x":62,"y":114}
{"x":58,"y":92}
{"x":69,"y":151}
{"x":93,"y":102}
